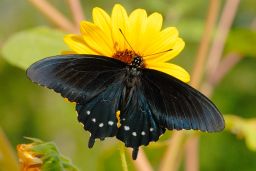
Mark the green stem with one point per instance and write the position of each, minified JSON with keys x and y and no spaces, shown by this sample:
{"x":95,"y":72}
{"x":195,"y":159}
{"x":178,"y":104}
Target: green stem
{"x":123,"y":158}
{"x":8,"y":160}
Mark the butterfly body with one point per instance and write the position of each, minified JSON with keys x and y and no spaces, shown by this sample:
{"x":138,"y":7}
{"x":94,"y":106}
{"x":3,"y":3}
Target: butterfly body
{"x":149,"y":101}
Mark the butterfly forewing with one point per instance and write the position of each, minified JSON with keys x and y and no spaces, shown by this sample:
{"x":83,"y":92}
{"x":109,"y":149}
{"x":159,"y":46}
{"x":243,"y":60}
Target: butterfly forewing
{"x":177,"y":105}
{"x":77,"y":77}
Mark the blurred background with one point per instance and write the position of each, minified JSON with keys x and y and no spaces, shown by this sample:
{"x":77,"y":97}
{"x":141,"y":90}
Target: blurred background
{"x":30,"y":110}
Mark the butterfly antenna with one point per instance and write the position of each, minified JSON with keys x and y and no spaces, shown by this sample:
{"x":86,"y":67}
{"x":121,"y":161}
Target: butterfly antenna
{"x":134,"y":50}
{"x":159,"y":52}
{"x":126,"y":39}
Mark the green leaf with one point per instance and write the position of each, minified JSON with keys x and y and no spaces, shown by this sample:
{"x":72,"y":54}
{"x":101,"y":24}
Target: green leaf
{"x":242,"y":41}
{"x":27,"y":47}
{"x":243,"y":128}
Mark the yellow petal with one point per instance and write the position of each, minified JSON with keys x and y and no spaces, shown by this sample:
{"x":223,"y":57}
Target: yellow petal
{"x":96,"y":39}
{"x":155,"y":22}
{"x":68,"y":52}
{"x":166,"y":56}
{"x":171,"y":69}
{"x":137,"y":25}
{"x":77,"y":44}
{"x":165,"y":40}
{"x":153,"y":27}
{"x":119,"y":20}
{"x":103,"y":21}
{"x":166,"y":37}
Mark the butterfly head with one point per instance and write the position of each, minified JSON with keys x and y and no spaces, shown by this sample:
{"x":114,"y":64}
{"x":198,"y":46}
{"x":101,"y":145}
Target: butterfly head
{"x":129,"y":57}
{"x":137,"y":62}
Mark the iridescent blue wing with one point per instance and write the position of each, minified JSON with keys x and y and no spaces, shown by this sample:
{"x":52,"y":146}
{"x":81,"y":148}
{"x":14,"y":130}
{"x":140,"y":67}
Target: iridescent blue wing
{"x":95,"y":83}
{"x":176,"y":105}
{"x":139,"y":126}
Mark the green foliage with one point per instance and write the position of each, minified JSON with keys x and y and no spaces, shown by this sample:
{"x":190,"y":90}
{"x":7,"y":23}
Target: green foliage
{"x":235,"y":94}
{"x":242,"y":41}
{"x":243,"y":128}
{"x":194,"y":33}
{"x":26,"y":47}
{"x":51,"y":157}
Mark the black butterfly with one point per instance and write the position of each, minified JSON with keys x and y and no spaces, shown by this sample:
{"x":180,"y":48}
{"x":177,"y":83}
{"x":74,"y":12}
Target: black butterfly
{"x":149,"y":101}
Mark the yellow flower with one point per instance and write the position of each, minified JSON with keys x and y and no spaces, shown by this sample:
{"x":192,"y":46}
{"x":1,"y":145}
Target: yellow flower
{"x":29,"y":160}
{"x":142,"y":36}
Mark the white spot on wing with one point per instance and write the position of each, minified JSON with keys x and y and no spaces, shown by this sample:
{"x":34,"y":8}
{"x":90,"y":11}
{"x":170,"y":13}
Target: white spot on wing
{"x":143,"y":133}
{"x":134,"y":134}
{"x":101,"y":125}
{"x":88,"y":112}
{"x":126,"y":128}
{"x":151,"y":129}
{"x":110,"y":123}
{"x":93,"y":119}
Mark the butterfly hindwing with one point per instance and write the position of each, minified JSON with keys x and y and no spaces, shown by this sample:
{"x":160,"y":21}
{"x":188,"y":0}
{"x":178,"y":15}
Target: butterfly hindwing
{"x":177,"y":105}
{"x":77,"y":77}
{"x":99,"y":114}
{"x":138,"y":124}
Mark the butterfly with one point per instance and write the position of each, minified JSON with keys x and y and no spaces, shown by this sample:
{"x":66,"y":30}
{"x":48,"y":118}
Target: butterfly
{"x":148,"y":101}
